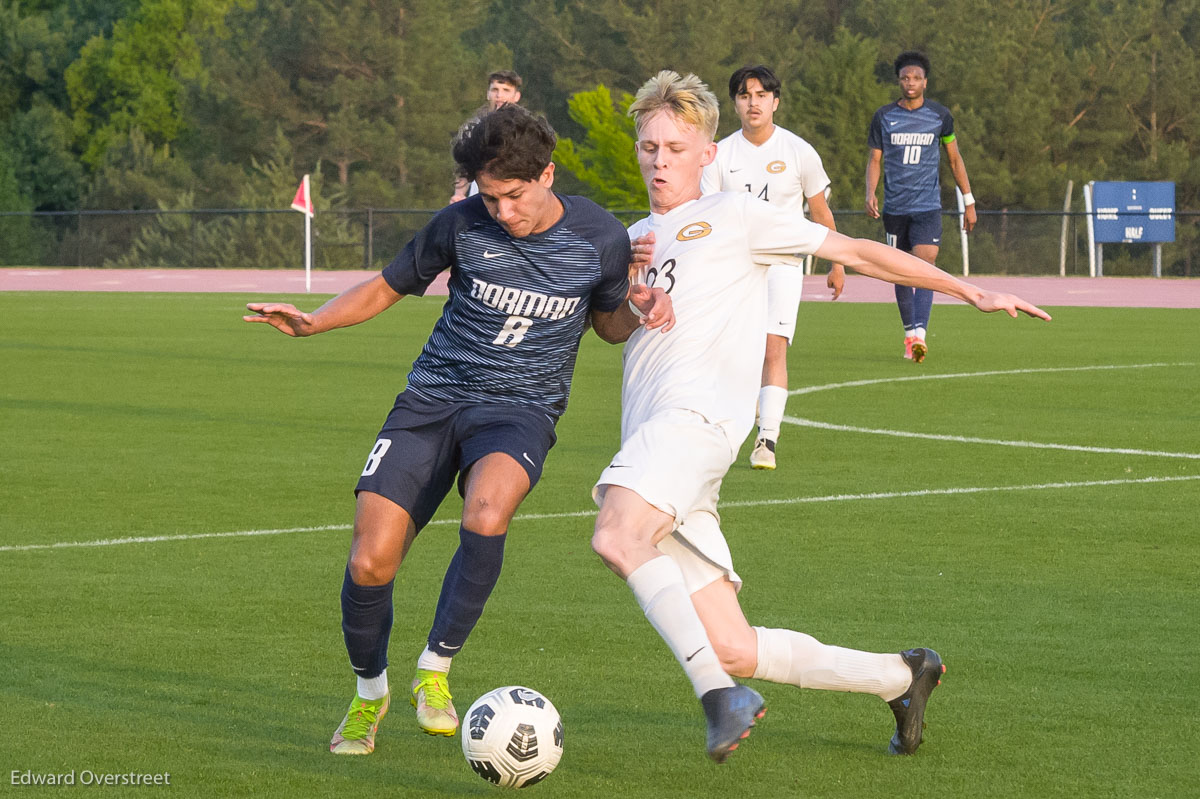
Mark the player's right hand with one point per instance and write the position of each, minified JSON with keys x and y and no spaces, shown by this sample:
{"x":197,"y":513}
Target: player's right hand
{"x":282,"y":316}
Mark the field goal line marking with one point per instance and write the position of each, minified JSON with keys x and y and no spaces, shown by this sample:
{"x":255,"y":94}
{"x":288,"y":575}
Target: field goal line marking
{"x":875,"y":495}
{"x":842,"y":428}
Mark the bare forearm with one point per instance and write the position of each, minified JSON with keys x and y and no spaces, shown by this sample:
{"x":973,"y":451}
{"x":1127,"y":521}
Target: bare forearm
{"x":820,"y":213}
{"x":873,"y":172}
{"x":877,"y":260}
{"x":354,"y":305}
{"x":615,"y":326}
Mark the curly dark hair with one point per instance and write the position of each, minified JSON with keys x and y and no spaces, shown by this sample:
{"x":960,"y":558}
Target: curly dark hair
{"x":764,"y":75}
{"x":911,"y":58}
{"x":509,"y":143}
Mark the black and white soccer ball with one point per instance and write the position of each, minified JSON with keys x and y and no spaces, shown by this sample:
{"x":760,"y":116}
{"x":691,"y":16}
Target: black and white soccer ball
{"x":512,"y":737}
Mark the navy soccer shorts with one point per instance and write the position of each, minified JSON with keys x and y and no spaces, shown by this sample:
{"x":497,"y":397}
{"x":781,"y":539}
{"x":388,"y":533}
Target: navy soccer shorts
{"x":905,"y":231}
{"x":425,"y":443}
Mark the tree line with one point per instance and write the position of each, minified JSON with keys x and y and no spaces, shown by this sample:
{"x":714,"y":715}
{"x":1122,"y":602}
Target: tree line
{"x":145,"y":104}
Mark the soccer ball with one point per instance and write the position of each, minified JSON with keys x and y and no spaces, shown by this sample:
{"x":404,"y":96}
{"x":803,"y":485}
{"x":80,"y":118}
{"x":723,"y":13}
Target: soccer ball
{"x":513,"y":737}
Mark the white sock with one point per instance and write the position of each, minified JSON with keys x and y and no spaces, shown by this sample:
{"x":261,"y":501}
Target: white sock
{"x":919,"y":333}
{"x":374,"y":687}
{"x":787,"y":656}
{"x":660,"y":591}
{"x":432,"y":661}
{"x":771,"y":402}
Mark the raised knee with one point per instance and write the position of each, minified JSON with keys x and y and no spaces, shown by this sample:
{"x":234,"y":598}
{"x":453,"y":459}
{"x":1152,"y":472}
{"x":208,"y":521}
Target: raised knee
{"x":368,"y":568}
{"x":483,"y":517}
{"x":607,"y":544}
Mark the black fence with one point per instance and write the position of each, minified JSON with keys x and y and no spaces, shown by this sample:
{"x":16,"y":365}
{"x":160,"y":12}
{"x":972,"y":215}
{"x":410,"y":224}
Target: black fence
{"x":1003,"y":242}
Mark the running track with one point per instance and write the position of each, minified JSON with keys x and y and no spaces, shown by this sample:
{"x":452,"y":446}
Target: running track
{"x":266,"y":283}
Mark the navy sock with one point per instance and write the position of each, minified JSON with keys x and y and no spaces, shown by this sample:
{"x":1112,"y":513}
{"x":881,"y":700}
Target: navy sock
{"x":922,"y":306}
{"x":470,"y":578}
{"x":366,"y":625}
{"x":905,"y":302}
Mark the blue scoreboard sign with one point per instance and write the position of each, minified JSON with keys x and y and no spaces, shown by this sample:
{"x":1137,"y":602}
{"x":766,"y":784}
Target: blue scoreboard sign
{"x":1133,"y":212}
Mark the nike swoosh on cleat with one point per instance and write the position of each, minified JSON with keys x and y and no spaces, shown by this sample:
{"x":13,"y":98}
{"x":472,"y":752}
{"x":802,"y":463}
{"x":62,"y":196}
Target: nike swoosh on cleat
{"x":487,"y":254}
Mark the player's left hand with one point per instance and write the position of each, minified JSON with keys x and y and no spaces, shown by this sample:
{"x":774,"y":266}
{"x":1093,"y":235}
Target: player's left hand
{"x":836,"y":280}
{"x":655,"y":306}
{"x":969,"y":218}
{"x":991,"y":301}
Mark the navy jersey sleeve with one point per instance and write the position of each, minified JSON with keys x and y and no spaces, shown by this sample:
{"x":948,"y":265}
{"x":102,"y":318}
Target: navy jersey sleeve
{"x":614,"y":270}
{"x":429,"y":252}
{"x":611,"y":241}
{"x":947,"y":134}
{"x":875,"y":131}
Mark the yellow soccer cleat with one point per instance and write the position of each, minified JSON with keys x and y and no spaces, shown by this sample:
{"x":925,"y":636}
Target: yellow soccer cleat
{"x":763,"y":454}
{"x":356,"y":735}
{"x":431,"y":697}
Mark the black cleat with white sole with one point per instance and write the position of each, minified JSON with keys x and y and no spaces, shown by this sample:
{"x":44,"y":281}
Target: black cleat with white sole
{"x":909,"y":708}
{"x":730,"y":713}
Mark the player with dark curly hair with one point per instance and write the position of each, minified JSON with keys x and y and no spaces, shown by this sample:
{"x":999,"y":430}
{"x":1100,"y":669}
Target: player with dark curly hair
{"x":529,"y":268}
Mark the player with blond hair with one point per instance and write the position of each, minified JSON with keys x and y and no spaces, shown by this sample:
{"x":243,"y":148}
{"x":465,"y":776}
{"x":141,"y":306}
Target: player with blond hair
{"x":687,"y":405}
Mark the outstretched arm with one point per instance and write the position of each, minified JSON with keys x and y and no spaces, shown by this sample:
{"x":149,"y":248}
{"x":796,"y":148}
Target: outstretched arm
{"x":352,"y":306}
{"x":874,"y":259}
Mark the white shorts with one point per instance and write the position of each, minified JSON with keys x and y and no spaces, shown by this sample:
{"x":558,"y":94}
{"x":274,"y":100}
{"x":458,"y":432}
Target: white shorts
{"x":676,"y":462}
{"x":785,"y":284}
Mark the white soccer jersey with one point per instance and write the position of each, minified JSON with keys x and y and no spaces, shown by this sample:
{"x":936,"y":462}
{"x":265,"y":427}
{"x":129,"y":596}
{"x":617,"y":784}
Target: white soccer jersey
{"x":784,"y":170}
{"x":711,"y":256}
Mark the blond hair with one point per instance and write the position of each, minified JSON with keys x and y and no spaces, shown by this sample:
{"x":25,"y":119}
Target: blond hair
{"x":688,"y":98}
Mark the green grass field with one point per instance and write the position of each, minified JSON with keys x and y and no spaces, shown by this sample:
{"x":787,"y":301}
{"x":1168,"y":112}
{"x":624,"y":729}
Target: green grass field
{"x":1060,"y":585}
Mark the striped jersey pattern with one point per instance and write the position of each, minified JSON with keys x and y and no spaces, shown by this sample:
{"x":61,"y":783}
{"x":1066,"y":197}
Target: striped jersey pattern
{"x":517,"y":307}
{"x":911,"y":144}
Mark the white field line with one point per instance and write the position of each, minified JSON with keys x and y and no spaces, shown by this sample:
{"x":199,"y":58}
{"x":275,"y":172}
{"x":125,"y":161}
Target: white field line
{"x":841,"y":428}
{"x":928,"y":492}
{"x":1047,"y":370}
{"x":844,"y":428}
{"x":794,"y":501}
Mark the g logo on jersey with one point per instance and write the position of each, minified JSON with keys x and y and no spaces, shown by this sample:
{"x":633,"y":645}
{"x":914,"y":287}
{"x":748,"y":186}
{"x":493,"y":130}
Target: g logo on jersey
{"x":696,"y":230}
{"x":775,"y":167}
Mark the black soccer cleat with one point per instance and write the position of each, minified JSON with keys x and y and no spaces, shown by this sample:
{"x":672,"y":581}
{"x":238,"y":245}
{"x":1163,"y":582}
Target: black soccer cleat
{"x":909,"y":708}
{"x":730,"y":713}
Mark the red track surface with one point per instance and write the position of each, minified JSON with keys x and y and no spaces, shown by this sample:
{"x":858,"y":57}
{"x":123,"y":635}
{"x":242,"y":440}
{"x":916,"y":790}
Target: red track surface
{"x":265,"y":284}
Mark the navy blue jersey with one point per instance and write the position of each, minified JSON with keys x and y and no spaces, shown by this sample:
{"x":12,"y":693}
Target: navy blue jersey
{"x":910,"y":142}
{"x":510,"y":330}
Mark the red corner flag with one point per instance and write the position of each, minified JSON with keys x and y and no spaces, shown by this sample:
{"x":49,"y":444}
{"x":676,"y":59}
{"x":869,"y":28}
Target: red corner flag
{"x":303,"y":199}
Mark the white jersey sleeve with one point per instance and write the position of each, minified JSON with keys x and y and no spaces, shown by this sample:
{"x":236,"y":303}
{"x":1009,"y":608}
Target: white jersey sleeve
{"x":780,"y":235}
{"x":812,"y":176}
